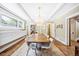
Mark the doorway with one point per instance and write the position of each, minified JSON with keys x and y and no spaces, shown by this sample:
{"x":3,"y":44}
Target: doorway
{"x":73,"y":29}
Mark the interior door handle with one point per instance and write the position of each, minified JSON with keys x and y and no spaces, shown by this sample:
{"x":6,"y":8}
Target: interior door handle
{"x":72,"y":32}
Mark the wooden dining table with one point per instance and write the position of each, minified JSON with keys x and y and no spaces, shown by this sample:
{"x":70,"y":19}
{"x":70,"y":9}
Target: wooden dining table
{"x":37,"y":38}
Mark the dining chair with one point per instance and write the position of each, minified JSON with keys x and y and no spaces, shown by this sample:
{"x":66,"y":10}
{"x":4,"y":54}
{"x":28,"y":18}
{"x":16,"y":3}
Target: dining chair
{"x":31,"y":45}
{"x":46,"y":46}
{"x":47,"y":35}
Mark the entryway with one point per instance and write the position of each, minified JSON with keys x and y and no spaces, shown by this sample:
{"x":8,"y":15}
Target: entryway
{"x":73,"y":30}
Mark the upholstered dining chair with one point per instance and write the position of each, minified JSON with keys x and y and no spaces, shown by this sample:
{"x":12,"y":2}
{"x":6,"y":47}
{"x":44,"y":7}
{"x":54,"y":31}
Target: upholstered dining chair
{"x":31,"y":45}
{"x":47,"y":45}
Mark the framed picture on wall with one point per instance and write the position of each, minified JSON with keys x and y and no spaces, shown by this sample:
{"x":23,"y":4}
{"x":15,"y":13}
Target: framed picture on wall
{"x":9,"y":22}
{"x":6,"y":21}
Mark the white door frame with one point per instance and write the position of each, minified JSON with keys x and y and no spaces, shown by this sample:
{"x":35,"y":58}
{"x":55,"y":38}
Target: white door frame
{"x":68,"y":28}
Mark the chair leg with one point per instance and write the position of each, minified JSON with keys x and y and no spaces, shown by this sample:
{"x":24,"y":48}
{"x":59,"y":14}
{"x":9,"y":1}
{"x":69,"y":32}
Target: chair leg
{"x":35,"y":51}
{"x":28,"y":51}
{"x":41,"y":52}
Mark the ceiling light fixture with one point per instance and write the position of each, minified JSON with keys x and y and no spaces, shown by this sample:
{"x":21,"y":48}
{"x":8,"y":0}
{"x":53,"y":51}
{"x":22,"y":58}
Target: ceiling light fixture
{"x":39,"y":20}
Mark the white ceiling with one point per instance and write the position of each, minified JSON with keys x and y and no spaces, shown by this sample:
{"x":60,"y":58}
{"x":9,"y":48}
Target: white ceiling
{"x":46,"y":10}
{"x":15,"y":9}
{"x":30,"y":11}
{"x":66,"y":7}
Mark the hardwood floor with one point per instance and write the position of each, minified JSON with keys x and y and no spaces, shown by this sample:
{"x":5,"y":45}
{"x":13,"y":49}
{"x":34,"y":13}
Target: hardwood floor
{"x":12,"y":49}
{"x":67,"y":50}
{"x":54,"y":51}
{"x":58,"y":49}
{"x":46,"y":52}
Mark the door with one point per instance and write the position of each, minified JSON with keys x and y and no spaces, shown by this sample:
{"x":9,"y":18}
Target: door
{"x":72,"y":30}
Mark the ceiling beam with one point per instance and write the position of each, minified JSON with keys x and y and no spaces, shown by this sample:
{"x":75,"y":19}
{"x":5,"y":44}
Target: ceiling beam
{"x":57,"y":9}
{"x":25,"y":12}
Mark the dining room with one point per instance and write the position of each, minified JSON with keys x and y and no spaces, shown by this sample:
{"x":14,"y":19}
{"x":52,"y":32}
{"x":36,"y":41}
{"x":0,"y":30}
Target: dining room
{"x":39,"y":29}
{"x":40,"y":41}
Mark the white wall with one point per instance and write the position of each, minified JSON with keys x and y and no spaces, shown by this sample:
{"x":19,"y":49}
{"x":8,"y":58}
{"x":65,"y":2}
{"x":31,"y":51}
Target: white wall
{"x":8,"y":36}
{"x":62,"y":33}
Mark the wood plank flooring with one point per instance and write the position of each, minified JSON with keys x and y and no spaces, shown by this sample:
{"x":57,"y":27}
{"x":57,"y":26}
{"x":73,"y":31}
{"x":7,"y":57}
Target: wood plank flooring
{"x":58,"y":49}
{"x":46,"y":52}
{"x":67,"y":50}
{"x":12,"y":49}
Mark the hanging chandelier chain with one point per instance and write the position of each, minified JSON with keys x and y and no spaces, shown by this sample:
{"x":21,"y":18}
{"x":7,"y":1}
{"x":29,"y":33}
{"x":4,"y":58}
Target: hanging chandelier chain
{"x":39,"y":10}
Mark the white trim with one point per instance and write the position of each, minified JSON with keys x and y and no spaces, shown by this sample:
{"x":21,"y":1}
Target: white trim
{"x":11,"y":12}
{"x":66,"y":31}
{"x":23,"y":9}
{"x":7,"y":46}
{"x":57,"y":9}
{"x":70,"y":9}
{"x":73,"y":15}
{"x":67,"y":18}
{"x":60,"y":41}
{"x":8,"y":28}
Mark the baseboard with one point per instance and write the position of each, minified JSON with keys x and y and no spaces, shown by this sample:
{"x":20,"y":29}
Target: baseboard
{"x":13,"y":48}
{"x":59,"y":40}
